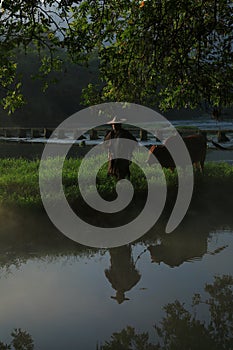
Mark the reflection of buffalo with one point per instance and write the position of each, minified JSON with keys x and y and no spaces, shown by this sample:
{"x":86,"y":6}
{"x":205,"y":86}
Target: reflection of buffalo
{"x":196,"y":145}
{"x":177,"y":248}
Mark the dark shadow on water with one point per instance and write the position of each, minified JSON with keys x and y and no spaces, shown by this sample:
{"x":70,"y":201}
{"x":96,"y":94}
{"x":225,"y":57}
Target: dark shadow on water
{"x":29,"y":234}
{"x":26,"y":233}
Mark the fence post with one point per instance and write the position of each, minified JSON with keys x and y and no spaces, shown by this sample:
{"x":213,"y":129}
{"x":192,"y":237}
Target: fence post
{"x":143,"y":135}
{"x":47,"y":133}
{"x":93,"y":134}
{"x":35,"y":133}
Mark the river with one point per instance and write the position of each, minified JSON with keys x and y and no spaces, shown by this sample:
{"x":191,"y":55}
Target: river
{"x":70,"y":296}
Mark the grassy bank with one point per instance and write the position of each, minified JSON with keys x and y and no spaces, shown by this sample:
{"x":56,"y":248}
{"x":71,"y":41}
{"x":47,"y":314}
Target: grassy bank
{"x":19,"y":180}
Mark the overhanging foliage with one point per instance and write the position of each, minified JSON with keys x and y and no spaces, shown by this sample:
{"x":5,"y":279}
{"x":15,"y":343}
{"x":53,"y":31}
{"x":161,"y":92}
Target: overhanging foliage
{"x":170,"y":53}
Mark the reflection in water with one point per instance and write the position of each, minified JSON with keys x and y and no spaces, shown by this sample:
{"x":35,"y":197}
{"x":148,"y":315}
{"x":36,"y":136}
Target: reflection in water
{"x":122,"y":274}
{"x":182,"y":329}
{"x":29,"y":234}
{"x":179,"y":328}
{"x":178,"y":248}
{"x":78,"y":291}
{"x":21,"y":340}
{"x":189,"y":241}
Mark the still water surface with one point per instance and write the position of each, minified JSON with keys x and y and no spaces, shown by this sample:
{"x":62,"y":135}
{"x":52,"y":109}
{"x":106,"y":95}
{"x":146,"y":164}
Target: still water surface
{"x":72,"y":297}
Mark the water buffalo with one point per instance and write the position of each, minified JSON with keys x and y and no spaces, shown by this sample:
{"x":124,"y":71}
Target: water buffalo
{"x":196,"y":146}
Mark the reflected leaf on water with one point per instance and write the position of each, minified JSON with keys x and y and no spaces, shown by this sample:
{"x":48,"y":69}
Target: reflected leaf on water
{"x":122,"y":273}
{"x":181,"y":329}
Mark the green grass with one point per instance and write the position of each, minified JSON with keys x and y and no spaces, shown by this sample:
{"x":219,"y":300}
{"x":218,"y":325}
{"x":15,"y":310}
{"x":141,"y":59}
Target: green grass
{"x":19,"y":179}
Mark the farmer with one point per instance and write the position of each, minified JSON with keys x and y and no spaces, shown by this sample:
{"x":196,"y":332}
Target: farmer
{"x":117,"y":166}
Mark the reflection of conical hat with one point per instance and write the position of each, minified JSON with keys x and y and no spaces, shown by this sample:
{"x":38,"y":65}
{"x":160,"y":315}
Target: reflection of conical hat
{"x":120,"y":297}
{"x":116,"y":120}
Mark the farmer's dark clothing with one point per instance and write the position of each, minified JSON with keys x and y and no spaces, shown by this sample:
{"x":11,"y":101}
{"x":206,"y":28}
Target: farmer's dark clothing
{"x":119,"y":167}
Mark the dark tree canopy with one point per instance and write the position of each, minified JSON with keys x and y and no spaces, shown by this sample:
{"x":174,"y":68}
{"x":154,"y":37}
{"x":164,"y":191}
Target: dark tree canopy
{"x":173,"y":53}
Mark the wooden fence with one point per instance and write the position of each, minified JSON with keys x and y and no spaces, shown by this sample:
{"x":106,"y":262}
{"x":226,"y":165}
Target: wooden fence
{"x":94,"y":134}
